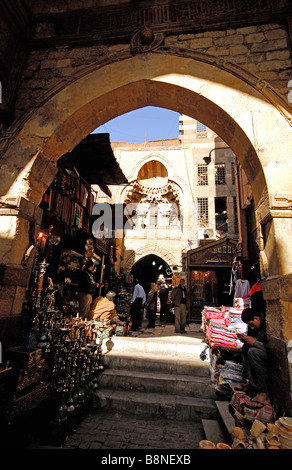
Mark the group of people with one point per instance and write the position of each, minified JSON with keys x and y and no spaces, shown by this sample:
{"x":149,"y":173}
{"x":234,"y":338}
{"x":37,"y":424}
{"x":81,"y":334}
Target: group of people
{"x":91,"y":305}
{"x":149,"y":302}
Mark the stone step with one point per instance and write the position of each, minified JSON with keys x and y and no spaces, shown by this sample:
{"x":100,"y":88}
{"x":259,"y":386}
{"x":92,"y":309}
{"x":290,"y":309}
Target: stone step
{"x":157,"y":382}
{"x":157,"y":405}
{"x":151,"y":362}
{"x":226,"y":420}
{"x":181,"y":346}
{"x":213,"y":431}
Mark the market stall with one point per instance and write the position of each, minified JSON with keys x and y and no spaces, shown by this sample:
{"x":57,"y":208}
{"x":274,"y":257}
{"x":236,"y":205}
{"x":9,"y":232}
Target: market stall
{"x":221,"y":326}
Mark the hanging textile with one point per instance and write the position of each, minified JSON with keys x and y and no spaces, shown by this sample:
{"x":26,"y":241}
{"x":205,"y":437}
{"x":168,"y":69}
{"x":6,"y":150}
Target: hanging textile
{"x":242,"y":288}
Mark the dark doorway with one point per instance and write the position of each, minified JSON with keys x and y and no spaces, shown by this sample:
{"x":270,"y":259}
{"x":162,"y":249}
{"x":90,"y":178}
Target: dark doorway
{"x":148,"y":269}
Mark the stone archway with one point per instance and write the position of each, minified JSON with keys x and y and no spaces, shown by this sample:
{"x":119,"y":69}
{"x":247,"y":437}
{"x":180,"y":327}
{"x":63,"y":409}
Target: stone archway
{"x":199,"y":89}
{"x":158,"y":251}
{"x":243,"y":110}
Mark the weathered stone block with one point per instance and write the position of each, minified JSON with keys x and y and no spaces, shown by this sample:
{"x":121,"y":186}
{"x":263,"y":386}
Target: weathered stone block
{"x":275,"y":34}
{"x":279,"y":373}
{"x":229,"y":40}
{"x":278,"y":55}
{"x":239,"y":49}
{"x":15,"y":275}
{"x":269,"y":45}
{"x":246,"y":30}
{"x":201,"y":43}
{"x":253,"y":38}
{"x":48,"y":64}
{"x":18,"y":300}
{"x":7,"y":294}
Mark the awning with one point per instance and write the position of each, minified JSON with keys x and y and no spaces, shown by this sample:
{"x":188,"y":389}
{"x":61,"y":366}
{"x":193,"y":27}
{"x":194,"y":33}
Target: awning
{"x":95,"y":162}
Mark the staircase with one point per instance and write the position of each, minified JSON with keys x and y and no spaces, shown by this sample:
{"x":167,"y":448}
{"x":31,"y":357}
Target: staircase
{"x":158,"y":377}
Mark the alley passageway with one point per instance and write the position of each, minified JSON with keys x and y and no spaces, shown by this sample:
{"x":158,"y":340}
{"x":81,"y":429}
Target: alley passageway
{"x":82,"y":216}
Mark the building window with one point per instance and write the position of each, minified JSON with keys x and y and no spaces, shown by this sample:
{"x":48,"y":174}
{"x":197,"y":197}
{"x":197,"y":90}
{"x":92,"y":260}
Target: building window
{"x":202,"y":175}
{"x":220,"y":173}
{"x":203,"y":212}
{"x":200,"y":127}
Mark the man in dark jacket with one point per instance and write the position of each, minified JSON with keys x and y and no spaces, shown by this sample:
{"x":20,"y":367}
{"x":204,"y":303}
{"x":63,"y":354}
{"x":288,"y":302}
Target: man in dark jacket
{"x":179,"y":299}
{"x":87,"y":286}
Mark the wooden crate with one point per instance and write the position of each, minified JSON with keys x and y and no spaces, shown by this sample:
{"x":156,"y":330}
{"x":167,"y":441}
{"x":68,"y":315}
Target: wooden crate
{"x":31,"y":399}
{"x":21,"y":357}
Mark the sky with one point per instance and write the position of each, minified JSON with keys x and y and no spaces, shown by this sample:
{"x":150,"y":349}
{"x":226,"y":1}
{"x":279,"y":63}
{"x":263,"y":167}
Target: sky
{"x":141,"y":125}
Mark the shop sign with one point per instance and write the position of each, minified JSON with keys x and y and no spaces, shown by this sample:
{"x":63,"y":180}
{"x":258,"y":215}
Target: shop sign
{"x":225,"y":249}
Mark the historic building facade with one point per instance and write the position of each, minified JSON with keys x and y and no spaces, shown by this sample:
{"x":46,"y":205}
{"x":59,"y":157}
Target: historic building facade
{"x":175,"y":198}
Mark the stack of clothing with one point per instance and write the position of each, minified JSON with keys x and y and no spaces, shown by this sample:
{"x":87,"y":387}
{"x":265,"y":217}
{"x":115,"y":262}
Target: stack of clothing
{"x":235,"y":318}
{"x":221,"y":326}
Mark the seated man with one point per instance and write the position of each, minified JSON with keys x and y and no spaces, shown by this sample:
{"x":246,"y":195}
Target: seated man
{"x":255,"y":355}
{"x":103,"y":308}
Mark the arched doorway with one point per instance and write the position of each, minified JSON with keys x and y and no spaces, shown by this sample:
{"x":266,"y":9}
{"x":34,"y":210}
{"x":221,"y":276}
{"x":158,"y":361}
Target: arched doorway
{"x":237,"y":105}
{"x":151,"y":268}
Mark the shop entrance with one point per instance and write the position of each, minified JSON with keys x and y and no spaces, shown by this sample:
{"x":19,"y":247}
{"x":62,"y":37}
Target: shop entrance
{"x":149,"y":269}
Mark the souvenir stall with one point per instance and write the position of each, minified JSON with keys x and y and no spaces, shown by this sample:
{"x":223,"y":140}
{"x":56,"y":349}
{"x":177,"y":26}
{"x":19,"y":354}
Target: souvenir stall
{"x":58,"y":361}
{"x":221,"y":326}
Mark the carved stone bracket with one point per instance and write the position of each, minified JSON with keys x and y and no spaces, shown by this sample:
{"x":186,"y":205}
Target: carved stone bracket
{"x":145,"y":40}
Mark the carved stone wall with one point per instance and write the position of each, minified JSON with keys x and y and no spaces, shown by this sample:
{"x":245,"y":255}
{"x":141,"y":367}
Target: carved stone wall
{"x":262,"y":50}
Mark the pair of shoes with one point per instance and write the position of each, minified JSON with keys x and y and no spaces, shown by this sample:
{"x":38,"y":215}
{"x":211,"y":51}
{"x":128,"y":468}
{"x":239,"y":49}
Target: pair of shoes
{"x":184,"y":331}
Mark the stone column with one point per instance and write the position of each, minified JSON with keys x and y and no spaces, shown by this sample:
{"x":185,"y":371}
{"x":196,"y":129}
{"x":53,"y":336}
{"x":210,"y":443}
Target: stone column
{"x":276,"y":264}
{"x":20,"y":220}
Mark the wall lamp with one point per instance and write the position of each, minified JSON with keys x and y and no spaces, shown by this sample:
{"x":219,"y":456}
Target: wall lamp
{"x":207,"y":160}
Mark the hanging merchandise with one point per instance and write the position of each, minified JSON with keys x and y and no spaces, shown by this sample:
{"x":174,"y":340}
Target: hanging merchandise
{"x":242,"y":288}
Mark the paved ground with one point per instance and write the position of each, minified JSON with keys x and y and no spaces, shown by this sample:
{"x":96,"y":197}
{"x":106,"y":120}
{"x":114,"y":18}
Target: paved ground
{"x":103,"y":430}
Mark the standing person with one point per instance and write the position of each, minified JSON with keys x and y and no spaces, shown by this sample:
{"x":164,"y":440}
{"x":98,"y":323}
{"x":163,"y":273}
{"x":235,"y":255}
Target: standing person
{"x":163,"y":296}
{"x":179,"y":299}
{"x":87,"y":286}
{"x":152,"y":305}
{"x":137,"y":301}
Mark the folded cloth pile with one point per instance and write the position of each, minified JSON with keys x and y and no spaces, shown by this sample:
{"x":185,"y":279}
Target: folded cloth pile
{"x":232,"y":372}
{"x":221,"y":328}
{"x":234,"y":315}
{"x":219,"y":334}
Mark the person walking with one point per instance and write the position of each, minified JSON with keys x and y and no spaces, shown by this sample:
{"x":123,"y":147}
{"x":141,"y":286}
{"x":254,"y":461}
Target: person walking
{"x":137,"y":301}
{"x":179,"y":299}
{"x":152,"y":305}
{"x":87,"y":286}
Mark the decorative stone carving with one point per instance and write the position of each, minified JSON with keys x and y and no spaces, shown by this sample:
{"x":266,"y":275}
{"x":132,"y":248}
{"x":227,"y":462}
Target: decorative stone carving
{"x":145,"y":40}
